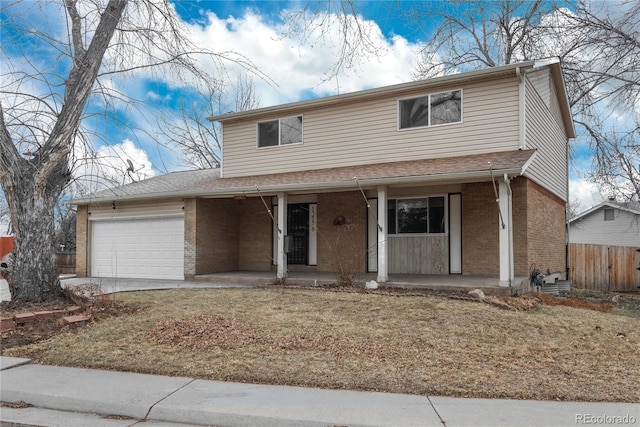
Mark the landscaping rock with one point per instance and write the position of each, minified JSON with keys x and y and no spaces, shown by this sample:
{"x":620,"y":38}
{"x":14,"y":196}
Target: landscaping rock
{"x":372,"y":284}
{"x":477,"y":293}
{"x":75,"y":319}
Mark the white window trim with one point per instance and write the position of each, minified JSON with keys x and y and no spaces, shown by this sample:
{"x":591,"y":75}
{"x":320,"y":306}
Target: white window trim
{"x":446,"y":216}
{"x":399,"y":122}
{"x":279,"y":127}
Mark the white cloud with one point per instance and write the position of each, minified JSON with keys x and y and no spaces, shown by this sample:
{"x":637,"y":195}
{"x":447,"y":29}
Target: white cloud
{"x":299,"y":67}
{"x":584,"y":194}
{"x":107,"y":167}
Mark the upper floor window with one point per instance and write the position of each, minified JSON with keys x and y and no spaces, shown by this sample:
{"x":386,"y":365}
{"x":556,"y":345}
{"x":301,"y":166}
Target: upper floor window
{"x":609,"y":214}
{"x":287,"y":130}
{"x":425,"y":215}
{"x":431,"y":110}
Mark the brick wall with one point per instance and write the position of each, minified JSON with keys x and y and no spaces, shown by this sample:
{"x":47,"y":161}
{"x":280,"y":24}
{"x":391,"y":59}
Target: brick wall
{"x":546,"y":233}
{"x":342,"y":245}
{"x":190,"y":238}
{"x":210,"y":236}
{"x":520,"y":227}
{"x":480,"y":223}
{"x":217,"y":235}
{"x":255,"y":236}
{"x":538,"y":229}
{"x":82,"y":240}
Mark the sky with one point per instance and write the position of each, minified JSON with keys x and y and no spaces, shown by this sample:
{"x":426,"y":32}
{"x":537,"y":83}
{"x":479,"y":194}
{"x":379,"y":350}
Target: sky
{"x":289,"y":70}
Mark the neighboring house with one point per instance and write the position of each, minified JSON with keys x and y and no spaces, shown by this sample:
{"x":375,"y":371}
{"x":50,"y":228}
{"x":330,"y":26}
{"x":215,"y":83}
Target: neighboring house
{"x":460,"y":174}
{"x":609,"y":223}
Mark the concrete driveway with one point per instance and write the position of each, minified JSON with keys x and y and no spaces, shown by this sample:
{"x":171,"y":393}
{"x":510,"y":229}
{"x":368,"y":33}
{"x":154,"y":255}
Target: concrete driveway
{"x":109,"y":285}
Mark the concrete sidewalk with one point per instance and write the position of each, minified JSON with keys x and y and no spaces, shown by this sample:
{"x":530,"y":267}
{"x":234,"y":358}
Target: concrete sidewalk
{"x":71,"y":396}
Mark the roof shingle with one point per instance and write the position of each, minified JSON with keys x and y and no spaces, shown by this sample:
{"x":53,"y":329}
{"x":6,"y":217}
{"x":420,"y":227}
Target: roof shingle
{"x":208,"y":181}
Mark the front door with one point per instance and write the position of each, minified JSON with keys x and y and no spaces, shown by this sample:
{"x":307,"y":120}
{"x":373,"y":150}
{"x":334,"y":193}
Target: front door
{"x":298,"y":233}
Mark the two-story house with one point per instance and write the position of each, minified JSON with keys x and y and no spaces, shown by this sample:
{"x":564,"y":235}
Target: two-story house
{"x":463,"y":174}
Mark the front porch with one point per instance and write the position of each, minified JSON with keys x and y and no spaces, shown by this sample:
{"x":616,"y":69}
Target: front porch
{"x":489,"y":285}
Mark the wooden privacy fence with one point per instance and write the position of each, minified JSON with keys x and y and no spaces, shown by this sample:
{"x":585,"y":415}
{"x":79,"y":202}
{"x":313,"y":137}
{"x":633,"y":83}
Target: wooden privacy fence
{"x":604,"y":268}
{"x":66,"y":262}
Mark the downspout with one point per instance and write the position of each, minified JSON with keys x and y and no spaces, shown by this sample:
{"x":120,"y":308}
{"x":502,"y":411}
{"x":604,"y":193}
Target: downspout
{"x":521,"y":109}
{"x":566,"y":221}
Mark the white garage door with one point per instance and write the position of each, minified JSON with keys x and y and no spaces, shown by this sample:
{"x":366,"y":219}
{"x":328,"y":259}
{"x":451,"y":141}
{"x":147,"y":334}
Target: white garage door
{"x":138,"y":248}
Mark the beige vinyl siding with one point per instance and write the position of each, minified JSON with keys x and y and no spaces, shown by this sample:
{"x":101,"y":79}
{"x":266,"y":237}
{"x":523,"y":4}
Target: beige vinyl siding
{"x":555,"y":107}
{"x":541,"y":81}
{"x":367,"y":133}
{"x":543,"y":84}
{"x":544,"y":132}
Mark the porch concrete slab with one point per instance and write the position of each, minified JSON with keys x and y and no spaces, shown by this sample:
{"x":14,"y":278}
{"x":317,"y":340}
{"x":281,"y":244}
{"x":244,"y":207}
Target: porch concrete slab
{"x":262,"y":278}
{"x":85,"y":390}
{"x":501,"y":412}
{"x":491,"y":285}
{"x":7,"y":362}
{"x":235,"y":404}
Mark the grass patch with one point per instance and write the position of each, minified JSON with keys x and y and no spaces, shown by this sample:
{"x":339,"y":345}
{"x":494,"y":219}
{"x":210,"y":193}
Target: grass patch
{"x":418,"y":344}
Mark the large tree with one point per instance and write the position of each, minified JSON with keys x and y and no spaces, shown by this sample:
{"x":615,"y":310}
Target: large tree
{"x":44,"y":105}
{"x":198,"y":141}
{"x":599,"y":46}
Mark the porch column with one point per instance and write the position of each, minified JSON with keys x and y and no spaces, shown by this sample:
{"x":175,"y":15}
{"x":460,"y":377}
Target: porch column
{"x":506,"y":236}
{"x":281,"y":255}
{"x":383,"y":268}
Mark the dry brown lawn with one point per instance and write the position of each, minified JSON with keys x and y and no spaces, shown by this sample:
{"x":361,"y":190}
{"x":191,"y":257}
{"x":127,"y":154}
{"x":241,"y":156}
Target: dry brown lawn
{"x":419,"y":344}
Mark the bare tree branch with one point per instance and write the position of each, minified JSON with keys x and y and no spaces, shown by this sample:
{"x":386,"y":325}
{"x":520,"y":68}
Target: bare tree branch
{"x":600,"y":55}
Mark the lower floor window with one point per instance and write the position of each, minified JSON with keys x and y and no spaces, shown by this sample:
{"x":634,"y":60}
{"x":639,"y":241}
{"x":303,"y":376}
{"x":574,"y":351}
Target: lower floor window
{"x":424,"y":215}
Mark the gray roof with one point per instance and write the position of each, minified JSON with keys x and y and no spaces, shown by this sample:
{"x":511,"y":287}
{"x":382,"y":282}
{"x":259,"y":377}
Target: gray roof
{"x":208,"y":183}
{"x":177,"y":182}
{"x":631,"y":207}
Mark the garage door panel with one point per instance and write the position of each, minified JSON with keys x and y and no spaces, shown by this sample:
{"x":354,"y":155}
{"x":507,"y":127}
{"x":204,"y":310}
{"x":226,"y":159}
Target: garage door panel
{"x":140,"y":248}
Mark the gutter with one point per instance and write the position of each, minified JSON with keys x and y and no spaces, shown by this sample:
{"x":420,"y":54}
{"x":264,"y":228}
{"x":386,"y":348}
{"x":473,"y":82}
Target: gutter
{"x":272,"y":189}
{"x":522,"y":131}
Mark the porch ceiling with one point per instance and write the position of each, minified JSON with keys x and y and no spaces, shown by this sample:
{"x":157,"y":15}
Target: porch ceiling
{"x":208,"y":183}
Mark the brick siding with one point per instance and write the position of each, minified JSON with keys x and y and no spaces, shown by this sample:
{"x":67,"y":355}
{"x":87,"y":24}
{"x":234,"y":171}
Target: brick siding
{"x":217,"y":235}
{"x":255,"y":236}
{"x":342,"y":245}
{"x":538,"y":229}
{"x":480,"y":225}
{"x":190,"y":238}
{"x":546,"y":232}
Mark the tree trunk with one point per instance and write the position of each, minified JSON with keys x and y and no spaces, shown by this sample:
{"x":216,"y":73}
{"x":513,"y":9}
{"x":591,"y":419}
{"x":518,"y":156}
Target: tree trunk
{"x":32,"y":186}
{"x":32,"y":274}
